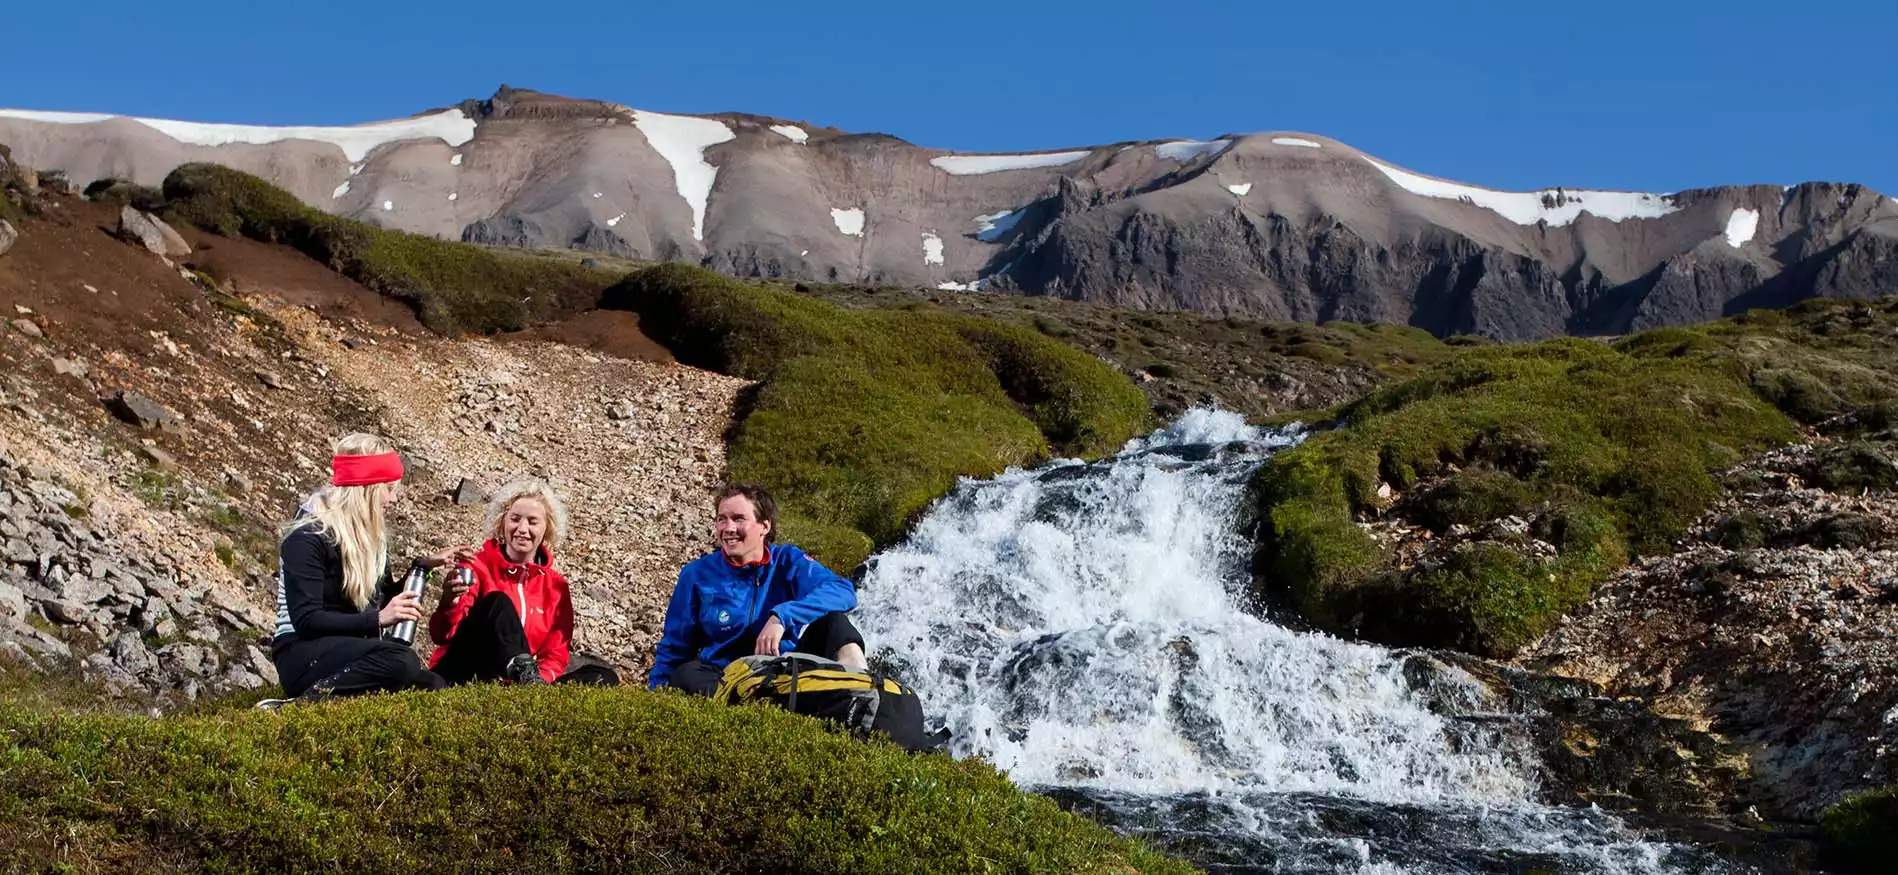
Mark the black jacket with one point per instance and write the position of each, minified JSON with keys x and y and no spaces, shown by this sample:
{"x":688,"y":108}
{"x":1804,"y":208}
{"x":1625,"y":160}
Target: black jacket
{"x":310,"y":600}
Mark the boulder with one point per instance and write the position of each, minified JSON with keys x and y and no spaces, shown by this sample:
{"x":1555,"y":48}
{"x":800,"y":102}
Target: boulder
{"x":8,"y":236}
{"x":143,"y":412}
{"x":152,"y":233}
{"x":468,"y":492}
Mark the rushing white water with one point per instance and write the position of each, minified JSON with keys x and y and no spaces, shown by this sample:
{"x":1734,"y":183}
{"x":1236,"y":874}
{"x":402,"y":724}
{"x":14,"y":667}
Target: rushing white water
{"x":1084,"y":627}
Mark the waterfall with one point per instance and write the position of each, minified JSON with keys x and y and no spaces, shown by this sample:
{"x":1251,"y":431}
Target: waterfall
{"x":1085,"y":628}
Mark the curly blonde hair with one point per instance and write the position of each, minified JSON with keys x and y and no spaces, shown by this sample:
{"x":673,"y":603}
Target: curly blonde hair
{"x":526,"y":487}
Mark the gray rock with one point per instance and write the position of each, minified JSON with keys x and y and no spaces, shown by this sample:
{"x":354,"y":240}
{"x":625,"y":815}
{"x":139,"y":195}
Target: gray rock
{"x":20,"y":552}
{"x":468,"y":492}
{"x":151,"y":232}
{"x":159,"y":459}
{"x":621,"y":411}
{"x":204,"y":634}
{"x":355,"y":342}
{"x":237,"y":484}
{"x":136,"y":409}
{"x":65,"y":612}
{"x":175,"y":245}
{"x":29,"y":328}
{"x":82,"y":590}
{"x":271,"y":380}
{"x":36,"y":642}
{"x":8,"y":236}
{"x":12,"y":600}
{"x":262,"y":664}
{"x":190,"y":660}
{"x":12,"y":653}
{"x":129,"y":652}
{"x":70,"y":368}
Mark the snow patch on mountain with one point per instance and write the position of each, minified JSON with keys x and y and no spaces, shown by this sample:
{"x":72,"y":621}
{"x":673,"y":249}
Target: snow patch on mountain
{"x":1557,"y":207}
{"x":1741,"y":225}
{"x":682,"y":141}
{"x":1242,"y":189}
{"x":340,"y":190}
{"x":849,"y":222}
{"x":793,"y":133}
{"x":357,"y":141}
{"x":455,"y":161}
{"x":932,"y":248}
{"x":971,"y":165}
{"x":1187,"y":151}
{"x":1296,"y":141}
{"x":613,"y":222}
{"x":991,"y":228}
{"x":388,"y":205}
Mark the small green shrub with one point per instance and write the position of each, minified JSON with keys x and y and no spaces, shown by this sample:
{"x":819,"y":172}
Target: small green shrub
{"x":1853,"y":467}
{"x":503,"y":779}
{"x":1745,"y":530}
{"x":453,"y":287}
{"x":1861,"y":833}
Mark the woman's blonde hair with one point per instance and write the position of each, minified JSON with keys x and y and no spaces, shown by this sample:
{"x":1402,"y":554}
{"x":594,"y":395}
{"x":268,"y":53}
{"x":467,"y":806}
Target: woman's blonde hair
{"x":352,"y":517}
{"x":527,"y":487}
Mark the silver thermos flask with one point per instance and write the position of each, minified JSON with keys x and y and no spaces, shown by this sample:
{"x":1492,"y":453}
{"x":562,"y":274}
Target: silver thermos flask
{"x":404,"y":632}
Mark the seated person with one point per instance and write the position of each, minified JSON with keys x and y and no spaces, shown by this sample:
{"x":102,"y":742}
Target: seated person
{"x":751,"y":596}
{"x":334,"y":592}
{"x":514,"y":622}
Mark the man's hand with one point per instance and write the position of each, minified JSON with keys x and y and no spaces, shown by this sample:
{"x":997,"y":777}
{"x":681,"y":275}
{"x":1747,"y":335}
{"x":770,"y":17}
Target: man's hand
{"x":771,"y":638}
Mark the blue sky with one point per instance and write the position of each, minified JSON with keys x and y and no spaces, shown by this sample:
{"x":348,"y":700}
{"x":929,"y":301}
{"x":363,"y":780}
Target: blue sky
{"x":1654,"y":96}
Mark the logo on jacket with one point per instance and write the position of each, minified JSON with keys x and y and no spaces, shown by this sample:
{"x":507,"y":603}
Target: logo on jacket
{"x":724,"y":616}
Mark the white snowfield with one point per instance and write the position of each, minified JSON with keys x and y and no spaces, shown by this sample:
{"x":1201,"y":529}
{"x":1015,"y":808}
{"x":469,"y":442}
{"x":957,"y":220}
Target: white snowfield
{"x":455,"y":161}
{"x":972,"y":165}
{"x":932,"y":248}
{"x":1741,"y":226}
{"x":992,"y":228}
{"x":357,"y":141}
{"x":340,"y":190}
{"x":682,"y":141}
{"x":962,"y":287}
{"x":793,"y":133}
{"x":849,"y":222}
{"x":388,"y":205}
{"x":1242,"y":189}
{"x":1557,"y":207}
{"x":1296,"y":141}
{"x":1186,"y":151}
{"x":613,"y":222}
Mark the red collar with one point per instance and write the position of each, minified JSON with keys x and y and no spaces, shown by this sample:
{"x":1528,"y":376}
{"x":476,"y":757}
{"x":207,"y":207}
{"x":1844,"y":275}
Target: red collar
{"x":497,"y":557}
{"x":757,"y":563}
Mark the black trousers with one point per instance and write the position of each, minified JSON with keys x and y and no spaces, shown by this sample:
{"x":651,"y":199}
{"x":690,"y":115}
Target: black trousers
{"x":823,"y":637}
{"x":491,"y":635}
{"x":351,"y":666}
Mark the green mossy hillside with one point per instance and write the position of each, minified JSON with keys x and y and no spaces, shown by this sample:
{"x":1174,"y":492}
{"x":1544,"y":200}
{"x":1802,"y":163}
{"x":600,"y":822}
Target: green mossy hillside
{"x":453,"y":287}
{"x":862,"y":417}
{"x":1603,"y":451}
{"x":500,"y":779}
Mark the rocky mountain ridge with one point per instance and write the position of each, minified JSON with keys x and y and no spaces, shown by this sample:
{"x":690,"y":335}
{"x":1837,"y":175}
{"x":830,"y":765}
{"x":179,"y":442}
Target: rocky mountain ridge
{"x":1278,"y":225}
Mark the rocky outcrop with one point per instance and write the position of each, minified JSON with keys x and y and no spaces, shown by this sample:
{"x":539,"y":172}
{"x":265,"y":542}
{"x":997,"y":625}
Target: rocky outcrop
{"x":1267,"y":225}
{"x":1774,"y":627}
{"x":74,"y":598}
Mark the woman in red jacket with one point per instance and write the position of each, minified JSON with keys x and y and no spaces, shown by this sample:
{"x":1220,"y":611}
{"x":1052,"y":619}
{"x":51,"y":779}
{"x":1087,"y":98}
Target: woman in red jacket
{"x":515,"y":620}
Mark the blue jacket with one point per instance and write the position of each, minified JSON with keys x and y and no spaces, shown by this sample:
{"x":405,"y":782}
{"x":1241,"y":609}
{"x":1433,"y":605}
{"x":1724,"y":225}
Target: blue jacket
{"x":718,"y":609}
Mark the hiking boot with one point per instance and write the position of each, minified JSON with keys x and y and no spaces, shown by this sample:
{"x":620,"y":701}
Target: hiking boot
{"x":523,"y":670}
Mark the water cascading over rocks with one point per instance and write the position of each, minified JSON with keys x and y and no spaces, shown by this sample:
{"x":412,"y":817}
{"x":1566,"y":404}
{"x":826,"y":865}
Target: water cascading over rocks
{"x":1086,"y":628}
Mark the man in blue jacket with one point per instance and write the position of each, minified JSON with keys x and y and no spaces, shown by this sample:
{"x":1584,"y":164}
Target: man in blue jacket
{"x":751,"y":596}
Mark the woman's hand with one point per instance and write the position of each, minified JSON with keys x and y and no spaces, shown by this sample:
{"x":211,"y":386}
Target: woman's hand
{"x":771,"y":638}
{"x":406,"y":606}
{"x":452,"y":556}
{"x":452,"y":588}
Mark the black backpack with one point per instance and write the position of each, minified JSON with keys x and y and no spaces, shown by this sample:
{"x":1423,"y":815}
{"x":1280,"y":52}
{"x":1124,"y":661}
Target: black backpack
{"x":860,"y":702}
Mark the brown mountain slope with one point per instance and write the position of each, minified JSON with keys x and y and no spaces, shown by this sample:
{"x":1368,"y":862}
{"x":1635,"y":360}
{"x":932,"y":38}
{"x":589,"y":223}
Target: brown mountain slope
{"x":1273,"y":225}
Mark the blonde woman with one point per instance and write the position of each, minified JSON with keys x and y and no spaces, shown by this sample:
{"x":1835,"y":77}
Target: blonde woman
{"x":514,"y":622}
{"x":334,"y":591}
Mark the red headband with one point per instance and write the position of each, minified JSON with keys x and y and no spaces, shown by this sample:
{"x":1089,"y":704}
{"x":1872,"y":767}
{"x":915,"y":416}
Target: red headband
{"x":365,"y":470}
